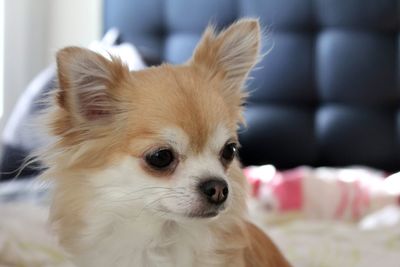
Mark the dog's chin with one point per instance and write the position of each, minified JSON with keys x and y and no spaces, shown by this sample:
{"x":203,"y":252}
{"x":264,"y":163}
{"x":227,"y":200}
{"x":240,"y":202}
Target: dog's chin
{"x":198,"y":214}
{"x":203,"y":215}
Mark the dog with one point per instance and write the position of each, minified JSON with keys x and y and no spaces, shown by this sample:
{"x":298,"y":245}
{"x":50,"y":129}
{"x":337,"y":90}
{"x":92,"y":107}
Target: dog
{"x":144,"y":163}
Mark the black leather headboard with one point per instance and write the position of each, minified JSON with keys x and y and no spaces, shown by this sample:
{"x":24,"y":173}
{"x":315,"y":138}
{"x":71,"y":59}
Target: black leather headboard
{"x":326,"y":94}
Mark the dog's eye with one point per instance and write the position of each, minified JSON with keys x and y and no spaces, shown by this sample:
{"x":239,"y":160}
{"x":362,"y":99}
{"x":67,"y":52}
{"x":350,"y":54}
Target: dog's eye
{"x":228,"y":152}
{"x":160,"y":159}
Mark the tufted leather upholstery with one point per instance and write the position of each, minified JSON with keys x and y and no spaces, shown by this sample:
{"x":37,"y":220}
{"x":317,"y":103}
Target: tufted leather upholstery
{"x":326,"y":94}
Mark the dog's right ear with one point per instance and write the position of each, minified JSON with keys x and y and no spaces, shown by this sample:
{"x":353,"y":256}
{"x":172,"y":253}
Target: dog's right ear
{"x":88,"y":83}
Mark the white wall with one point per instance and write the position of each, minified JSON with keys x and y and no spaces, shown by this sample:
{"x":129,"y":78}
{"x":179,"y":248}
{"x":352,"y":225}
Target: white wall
{"x":1,"y":54}
{"x":34,"y":31}
{"x":24,"y":24}
{"x":73,"y":22}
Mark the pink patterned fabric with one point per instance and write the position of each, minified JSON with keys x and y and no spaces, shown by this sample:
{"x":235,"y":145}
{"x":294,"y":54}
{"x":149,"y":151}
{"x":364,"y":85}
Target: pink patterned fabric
{"x":288,"y":189}
{"x":285,"y":186}
{"x":338,"y":194}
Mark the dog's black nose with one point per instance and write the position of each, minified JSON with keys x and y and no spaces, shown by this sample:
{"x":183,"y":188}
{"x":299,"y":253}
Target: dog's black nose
{"x":215,"y":190}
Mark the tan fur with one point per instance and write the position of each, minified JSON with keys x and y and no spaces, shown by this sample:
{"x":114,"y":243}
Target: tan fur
{"x":195,"y":97}
{"x":261,"y":250}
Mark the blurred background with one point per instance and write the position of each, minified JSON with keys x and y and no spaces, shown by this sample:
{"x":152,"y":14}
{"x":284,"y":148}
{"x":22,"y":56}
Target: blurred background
{"x":30,"y":34}
{"x":326,"y":94}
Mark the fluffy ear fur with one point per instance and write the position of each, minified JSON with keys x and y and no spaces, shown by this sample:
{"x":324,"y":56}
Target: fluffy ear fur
{"x":88,"y":83}
{"x":231,"y":53}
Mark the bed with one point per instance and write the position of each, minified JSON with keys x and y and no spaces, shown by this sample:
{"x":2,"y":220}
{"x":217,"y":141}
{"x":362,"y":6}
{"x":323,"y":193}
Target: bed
{"x":374,"y":240}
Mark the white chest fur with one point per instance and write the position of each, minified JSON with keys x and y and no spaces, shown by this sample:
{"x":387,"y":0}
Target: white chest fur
{"x":149,"y":243}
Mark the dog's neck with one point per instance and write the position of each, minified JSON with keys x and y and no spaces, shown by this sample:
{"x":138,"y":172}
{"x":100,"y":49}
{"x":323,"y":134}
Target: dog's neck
{"x":148,"y":240}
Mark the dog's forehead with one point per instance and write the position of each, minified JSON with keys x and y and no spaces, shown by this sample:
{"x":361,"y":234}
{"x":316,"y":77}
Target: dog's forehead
{"x":181,"y":141}
{"x":178,"y":98}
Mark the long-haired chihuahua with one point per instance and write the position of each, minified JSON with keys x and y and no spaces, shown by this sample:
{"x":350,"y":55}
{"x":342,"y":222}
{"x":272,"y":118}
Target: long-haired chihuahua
{"x":144,"y":163}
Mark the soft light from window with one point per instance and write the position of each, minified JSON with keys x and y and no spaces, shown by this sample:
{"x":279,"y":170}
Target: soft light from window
{"x":2,"y":6}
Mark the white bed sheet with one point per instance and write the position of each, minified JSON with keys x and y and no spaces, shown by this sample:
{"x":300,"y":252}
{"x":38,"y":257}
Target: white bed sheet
{"x":373,"y":242}
{"x":26,"y":241}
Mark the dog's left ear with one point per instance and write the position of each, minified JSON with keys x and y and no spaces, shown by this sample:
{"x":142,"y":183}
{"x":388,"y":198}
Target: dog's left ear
{"x":231,"y":53}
